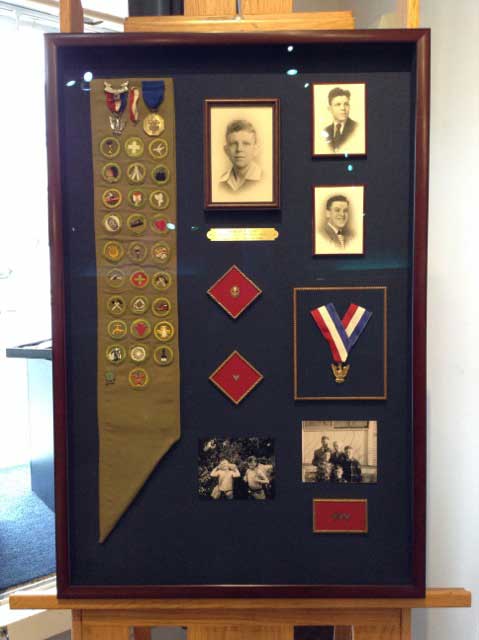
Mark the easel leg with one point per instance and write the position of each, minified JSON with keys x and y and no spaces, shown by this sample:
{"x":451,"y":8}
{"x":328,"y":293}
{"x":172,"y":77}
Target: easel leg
{"x":406,"y":624}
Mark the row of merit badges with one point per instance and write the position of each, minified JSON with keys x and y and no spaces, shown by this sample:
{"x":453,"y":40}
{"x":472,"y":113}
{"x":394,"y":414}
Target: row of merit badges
{"x":136,"y":230}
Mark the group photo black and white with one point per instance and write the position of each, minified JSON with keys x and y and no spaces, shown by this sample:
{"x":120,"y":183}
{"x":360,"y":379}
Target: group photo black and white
{"x":342,"y":452}
{"x":236,"y":468}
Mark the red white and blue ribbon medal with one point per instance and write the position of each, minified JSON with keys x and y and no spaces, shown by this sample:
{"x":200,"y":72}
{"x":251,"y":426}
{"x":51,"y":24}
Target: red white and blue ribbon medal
{"x":341,"y":334}
{"x":116,"y":101}
{"x":153,"y":94}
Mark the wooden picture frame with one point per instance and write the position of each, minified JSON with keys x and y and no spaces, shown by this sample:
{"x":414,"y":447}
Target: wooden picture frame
{"x":66,"y":52}
{"x":242,"y":153}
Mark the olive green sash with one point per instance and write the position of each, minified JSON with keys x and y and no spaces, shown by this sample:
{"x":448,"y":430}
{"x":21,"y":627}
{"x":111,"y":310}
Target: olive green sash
{"x":138,"y":370}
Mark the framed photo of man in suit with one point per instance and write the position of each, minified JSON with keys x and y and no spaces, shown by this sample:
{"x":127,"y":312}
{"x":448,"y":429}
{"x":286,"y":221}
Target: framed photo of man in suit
{"x":339,"y":119}
{"x":338,"y":220}
{"x":242,"y":153}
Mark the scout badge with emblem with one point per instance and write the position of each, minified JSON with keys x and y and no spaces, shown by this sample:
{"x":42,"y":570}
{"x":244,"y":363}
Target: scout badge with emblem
{"x":341,"y":335}
{"x":116,"y":100}
{"x":153,"y":94}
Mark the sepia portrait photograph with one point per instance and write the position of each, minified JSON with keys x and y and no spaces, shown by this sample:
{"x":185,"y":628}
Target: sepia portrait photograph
{"x":338,"y":220}
{"x":242,"y":154}
{"x":339,"y":119}
{"x":340,"y":451}
{"x":236,"y":468}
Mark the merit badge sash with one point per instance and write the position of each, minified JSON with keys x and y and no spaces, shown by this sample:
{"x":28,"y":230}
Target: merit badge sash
{"x":135,"y":221}
{"x":341,"y":334}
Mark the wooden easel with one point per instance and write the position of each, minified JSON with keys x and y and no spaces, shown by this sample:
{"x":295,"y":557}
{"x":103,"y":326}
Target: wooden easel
{"x":242,"y":619}
{"x":373,"y":619}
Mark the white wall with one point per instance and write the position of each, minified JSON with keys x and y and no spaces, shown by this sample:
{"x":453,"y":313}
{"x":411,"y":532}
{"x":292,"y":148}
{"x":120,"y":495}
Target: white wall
{"x":453,"y":356}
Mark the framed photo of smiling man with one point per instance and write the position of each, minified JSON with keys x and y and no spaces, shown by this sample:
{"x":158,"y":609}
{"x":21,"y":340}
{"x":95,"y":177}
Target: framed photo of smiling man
{"x":242,"y":154}
{"x":339,"y":119}
{"x":338,"y":220}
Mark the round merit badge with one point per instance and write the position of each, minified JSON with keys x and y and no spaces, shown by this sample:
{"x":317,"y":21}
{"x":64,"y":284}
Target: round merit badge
{"x":111,"y":198}
{"x":139,"y":279}
{"x":116,"y":278}
{"x":134,"y":147}
{"x":136,"y":173}
{"x":136,"y":198}
{"x":112,"y":222}
{"x":161,"y":280}
{"x":115,"y":354}
{"x":116,"y":305}
{"x":159,"y":199}
{"x":161,"y":307}
{"x":163,"y":356}
{"x":139,"y":305}
{"x":138,"y":353}
{"x":111,"y":172}
{"x":160,"y":252}
{"x":137,"y":251}
{"x":160,"y":224}
{"x":138,"y":378}
{"x":164,"y":331}
{"x":136,"y":223}
{"x":158,"y":148}
{"x":117,"y":329}
{"x":113,"y":251}
{"x":109,"y":147}
{"x":160,"y":174}
{"x":140,"y":328}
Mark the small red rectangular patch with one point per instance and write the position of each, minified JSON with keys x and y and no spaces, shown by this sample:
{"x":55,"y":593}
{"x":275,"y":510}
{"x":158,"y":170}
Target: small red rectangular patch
{"x":340,"y":516}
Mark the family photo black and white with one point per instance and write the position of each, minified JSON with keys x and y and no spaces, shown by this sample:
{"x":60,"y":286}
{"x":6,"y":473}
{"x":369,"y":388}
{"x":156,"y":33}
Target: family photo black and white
{"x":342,"y":452}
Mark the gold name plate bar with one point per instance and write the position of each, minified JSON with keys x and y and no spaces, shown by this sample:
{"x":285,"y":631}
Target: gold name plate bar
{"x":242,"y":235}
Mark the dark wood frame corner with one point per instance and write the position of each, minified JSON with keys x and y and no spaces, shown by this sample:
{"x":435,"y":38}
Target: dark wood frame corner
{"x":56,"y":46}
{"x":275,"y":203}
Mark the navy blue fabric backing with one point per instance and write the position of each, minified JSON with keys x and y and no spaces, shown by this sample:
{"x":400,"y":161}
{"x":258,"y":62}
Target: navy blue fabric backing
{"x":169,"y":536}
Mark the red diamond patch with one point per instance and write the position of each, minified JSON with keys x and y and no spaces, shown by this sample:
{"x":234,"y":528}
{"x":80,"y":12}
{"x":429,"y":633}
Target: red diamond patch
{"x":234,"y":292}
{"x":236,"y":377}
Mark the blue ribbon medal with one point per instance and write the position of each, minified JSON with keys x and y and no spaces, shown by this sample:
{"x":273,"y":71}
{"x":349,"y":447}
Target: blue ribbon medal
{"x":153,"y":94}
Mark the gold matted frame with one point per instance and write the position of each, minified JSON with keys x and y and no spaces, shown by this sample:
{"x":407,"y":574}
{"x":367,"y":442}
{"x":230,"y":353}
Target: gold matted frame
{"x":364,"y":500}
{"x":385,"y":343}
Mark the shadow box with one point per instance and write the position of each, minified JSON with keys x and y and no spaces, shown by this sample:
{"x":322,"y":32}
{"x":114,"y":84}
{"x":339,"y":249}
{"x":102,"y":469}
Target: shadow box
{"x":238,"y":232}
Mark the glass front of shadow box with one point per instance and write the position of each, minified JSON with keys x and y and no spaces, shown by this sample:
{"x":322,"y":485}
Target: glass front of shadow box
{"x":289,"y":456}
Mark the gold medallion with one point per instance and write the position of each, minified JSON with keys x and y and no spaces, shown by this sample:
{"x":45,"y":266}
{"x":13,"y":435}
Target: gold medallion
{"x":153,"y":124}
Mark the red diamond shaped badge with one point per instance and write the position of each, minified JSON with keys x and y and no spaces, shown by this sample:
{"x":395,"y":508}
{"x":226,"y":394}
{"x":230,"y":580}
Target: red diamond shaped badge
{"x":236,"y":377}
{"x":234,"y":292}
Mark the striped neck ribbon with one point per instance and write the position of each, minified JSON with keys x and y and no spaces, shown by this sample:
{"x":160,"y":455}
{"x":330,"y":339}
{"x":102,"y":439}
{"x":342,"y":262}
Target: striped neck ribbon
{"x":341,"y":334}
